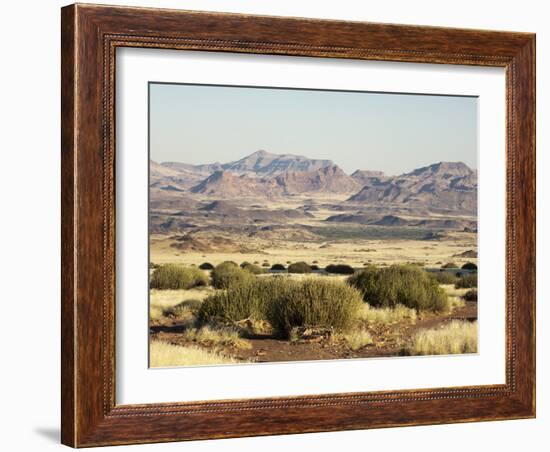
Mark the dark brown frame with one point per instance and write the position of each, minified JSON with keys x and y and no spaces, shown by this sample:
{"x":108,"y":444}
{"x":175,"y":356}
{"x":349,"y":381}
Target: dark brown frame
{"x":90,"y":35}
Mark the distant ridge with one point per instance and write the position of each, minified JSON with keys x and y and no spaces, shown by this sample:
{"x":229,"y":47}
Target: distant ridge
{"x":441,"y":186}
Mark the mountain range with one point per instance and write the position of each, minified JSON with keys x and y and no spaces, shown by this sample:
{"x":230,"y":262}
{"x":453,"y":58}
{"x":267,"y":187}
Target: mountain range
{"x":440,"y":186}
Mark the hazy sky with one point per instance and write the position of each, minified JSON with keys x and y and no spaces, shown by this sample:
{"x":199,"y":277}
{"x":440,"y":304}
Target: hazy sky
{"x":394,"y":133}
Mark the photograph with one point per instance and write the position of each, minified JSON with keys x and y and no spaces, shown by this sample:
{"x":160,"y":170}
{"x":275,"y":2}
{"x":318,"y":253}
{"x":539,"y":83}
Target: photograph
{"x":292,"y":224}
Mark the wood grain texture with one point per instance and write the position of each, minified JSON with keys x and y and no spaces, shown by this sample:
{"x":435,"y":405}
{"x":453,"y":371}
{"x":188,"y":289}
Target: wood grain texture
{"x":90,"y":36}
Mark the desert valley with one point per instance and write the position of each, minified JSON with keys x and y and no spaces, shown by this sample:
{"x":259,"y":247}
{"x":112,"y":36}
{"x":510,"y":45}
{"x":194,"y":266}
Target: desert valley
{"x":267,"y":212}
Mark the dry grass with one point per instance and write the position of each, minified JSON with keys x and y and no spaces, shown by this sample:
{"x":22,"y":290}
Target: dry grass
{"x":168,"y":298}
{"x":163,"y":354}
{"x":455,"y":295}
{"x":167,"y":302}
{"x":457,"y":302}
{"x":213,"y":336}
{"x":387,"y":315}
{"x":452,"y":291}
{"x":356,"y":339}
{"x":454,"y":338}
{"x":155,"y":313}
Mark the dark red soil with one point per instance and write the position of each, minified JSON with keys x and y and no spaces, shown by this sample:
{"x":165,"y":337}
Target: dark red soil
{"x":389,"y":340}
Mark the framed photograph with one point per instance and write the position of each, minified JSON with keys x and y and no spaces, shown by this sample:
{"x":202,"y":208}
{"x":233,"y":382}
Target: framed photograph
{"x":282,"y":225}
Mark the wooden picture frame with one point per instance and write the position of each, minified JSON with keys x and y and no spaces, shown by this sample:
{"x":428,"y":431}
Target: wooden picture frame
{"x":90,"y":35}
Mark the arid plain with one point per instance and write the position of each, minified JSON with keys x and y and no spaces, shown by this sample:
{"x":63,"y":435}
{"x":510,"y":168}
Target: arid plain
{"x":266,"y":213}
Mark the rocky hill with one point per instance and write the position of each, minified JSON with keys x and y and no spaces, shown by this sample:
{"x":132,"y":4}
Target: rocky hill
{"x":227,"y":184}
{"x":267,"y":164}
{"x":441,"y":186}
{"x":363,"y":177}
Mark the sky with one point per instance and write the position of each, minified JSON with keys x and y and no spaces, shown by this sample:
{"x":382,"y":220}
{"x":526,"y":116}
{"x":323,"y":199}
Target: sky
{"x":394,"y":133}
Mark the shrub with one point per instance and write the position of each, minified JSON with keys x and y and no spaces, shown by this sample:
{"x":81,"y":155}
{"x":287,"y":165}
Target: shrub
{"x":299,"y":267}
{"x":314,"y":267}
{"x":443,"y":277}
{"x":454,"y":338}
{"x":314,"y":303}
{"x":400,"y":284}
{"x":265,"y":264}
{"x":153,"y":266}
{"x":248,"y":300}
{"x":341,"y":269}
{"x":206,"y":266}
{"x":469,"y":266}
{"x":278,"y":267}
{"x":183,"y":310}
{"x":471,"y":295}
{"x":467,"y":281}
{"x":227,"y":275}
{"x":449,"y":265}
{"x":228,"y":263}
{"x":173,"y":276}
{"x":252,"y":268}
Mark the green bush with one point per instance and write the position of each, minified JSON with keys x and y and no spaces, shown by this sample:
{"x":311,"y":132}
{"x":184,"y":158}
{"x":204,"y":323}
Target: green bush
{"x":400,"y":284}
{"x":314,"y":267}
{"x":252,"y":268}
{"x":449,"y":265}
{"x":340,"y":269}
{"x":443,"y":277}
{"x":314,"y":303}
{"x":227,"y":275}
{"x":471,"y":295}
{"x":250,"y":299}
{"x":173,"y":276}
{"x":206,"y":266}
{"x":467,"y":281}
{"x":278,"y":267}
{"x":183,"y":309}
{"x":469,"y":266}
{"x":299,"y":267}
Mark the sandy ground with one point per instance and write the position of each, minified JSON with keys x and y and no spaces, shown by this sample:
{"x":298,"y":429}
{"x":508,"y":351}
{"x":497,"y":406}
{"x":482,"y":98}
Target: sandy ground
{"x":355,"y":253}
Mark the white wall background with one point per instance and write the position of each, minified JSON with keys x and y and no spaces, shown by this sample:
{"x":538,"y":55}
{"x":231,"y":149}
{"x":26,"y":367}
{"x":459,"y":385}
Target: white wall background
{"x":30,"y":186}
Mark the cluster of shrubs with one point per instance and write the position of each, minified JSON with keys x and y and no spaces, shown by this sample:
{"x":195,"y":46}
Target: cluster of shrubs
{"x":466,"y":266}
{"x":443,"y":277}
{"x":340,"y":269}
{"x":299,"y":267}
{"x":286,"y":304}
{"x":407,"y":285}
{"x":466,"y":281}
{"x":253,"y":268}
{"x":172,"y":276}
{"x":471,"y":295}
{"x":229,"y":274}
